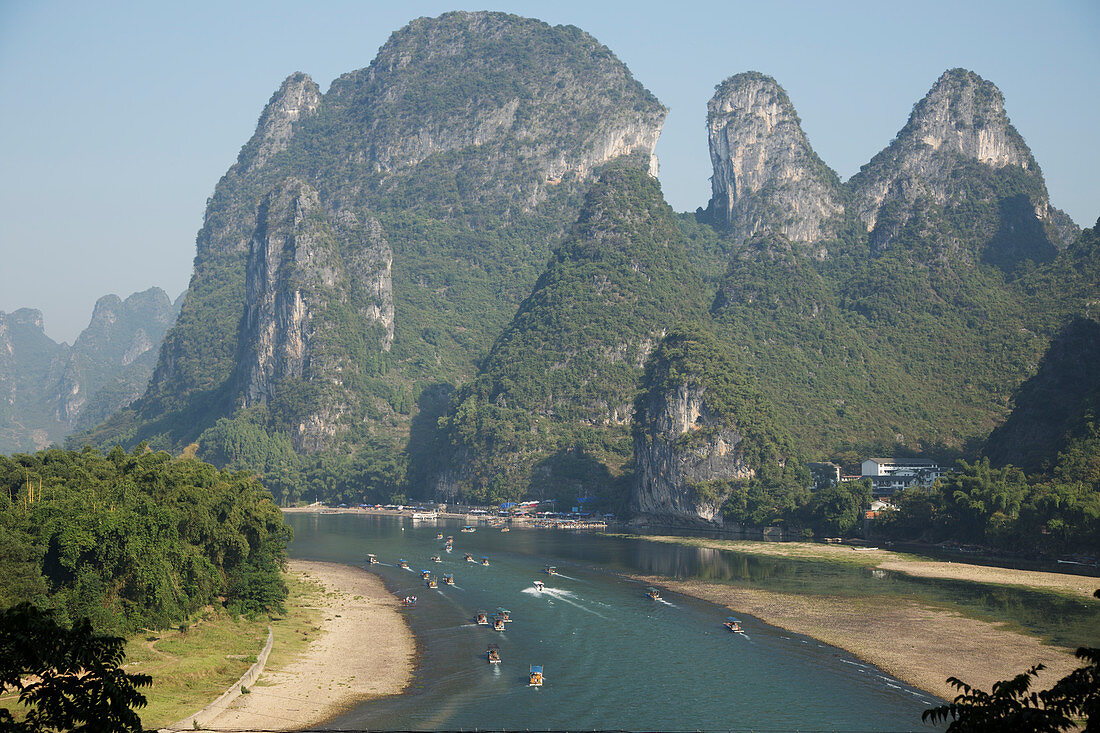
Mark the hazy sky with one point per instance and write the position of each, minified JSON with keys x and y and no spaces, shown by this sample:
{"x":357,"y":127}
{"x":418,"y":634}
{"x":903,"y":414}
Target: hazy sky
{"x":119,"y":118}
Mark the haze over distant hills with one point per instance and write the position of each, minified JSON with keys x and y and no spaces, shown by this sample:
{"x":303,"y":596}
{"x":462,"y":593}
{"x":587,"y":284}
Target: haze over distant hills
{"x":446,"y":275}
{"x":47,"y":389}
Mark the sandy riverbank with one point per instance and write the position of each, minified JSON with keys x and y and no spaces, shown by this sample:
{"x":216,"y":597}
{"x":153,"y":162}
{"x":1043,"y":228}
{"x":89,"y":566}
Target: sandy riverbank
{"x":366,"y":650}
{"x":919,"y":644}
{"x":876,"y":557}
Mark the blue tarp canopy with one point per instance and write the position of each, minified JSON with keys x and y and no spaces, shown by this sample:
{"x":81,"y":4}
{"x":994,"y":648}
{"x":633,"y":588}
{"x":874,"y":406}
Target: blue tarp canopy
{"x":508,"y":505}
{"x":536,"y":669}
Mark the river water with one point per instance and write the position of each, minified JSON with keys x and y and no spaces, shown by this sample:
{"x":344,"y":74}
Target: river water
{"x":613,"y":658}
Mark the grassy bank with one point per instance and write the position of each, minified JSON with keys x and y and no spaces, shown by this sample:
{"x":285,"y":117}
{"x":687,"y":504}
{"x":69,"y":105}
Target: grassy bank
{"x":192,"y":665}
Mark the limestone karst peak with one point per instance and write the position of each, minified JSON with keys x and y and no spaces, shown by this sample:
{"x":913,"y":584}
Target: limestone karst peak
{"x":766,"y":175}
{"x":959,"y":131}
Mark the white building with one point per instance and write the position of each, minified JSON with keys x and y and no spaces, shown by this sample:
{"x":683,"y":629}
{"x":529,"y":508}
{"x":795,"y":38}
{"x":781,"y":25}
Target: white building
{"x":889,"y":475}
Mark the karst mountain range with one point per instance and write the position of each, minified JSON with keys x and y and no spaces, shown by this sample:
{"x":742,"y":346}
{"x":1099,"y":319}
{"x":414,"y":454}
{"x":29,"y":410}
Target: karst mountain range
{"x":453,"y":274}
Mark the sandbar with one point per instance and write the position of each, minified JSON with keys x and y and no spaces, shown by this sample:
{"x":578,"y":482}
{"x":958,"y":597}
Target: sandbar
{"x":366,"y":650}
{"x":919,"y":645}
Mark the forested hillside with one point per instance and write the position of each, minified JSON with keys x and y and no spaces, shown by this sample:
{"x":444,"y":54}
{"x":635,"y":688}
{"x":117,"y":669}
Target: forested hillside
{"x":416,"y":283}
{"x":136,"y":540}
{"x":549,"y":412}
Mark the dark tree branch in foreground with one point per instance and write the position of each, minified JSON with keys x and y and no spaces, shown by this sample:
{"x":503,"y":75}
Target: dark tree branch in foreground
{"x":70,"y":678}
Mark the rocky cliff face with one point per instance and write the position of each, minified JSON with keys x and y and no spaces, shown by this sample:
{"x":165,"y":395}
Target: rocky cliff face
{"x":30,"y":362}
{"x":311,"y":278}
{"x":702,"y":431}
{"x":117,"y":351}
{"x":47,"y":389}
{"x":671,"y":465}
{"x":766,"y":178}
{"x":543,"y":105}
{"x":960,"y":123}
{"x":470,"y":140}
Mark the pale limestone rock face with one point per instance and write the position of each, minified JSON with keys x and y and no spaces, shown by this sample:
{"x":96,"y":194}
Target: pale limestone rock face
{"x":297,"y":98}
{"x":302,"y":264}
{"x":961,"y":119}
{"x":666,"y":468}
{"x":766,"y":175}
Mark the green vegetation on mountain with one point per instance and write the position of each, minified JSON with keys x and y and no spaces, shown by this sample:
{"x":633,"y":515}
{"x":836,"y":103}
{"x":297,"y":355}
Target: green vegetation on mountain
{"x":732,"y":457}
{"x":471,"y":139}
{"x":551,"y":404}
{"x":136,"y":540}
{"x":53,"y":389}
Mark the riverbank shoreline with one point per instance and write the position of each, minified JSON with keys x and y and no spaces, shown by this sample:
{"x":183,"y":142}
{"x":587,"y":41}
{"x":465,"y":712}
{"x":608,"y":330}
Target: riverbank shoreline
{"x":918,"y":643}
{"x":365,"y":650}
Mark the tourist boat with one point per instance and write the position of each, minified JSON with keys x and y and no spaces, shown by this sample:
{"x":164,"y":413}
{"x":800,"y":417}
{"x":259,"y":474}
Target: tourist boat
{"x":448,"y":548}
{"x":505,"y":529}
{"x":469,"y":558}
{"x":498,"y":623}
{"x":536,"y":676}
{"x":504,"y":615}
{"x":484,"y":560}
{"x":493,"y":654}
{"x":432,"y":583}
{"x":439,"y":535}
{"x":482,"y":618}
{"x":734,"y":625}
{"x":538,"y":585}
{"x":425,"y":574}
{"x":408,"y":601}
{"x":450,"y":539}
{"x":436,"y":558}
{"x":467,"y":528}
{"x":550,"y":570}
{"x":372,"y":560}
{"x":403,"y":564}
{"x":653,"y":593}
{"x":448,"y":579}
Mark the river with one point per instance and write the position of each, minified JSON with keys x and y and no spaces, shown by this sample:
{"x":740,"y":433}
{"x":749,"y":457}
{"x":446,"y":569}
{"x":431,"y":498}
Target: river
{"x":613,"y":658}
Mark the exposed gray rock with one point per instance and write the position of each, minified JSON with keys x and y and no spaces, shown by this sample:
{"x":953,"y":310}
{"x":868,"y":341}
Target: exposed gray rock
{"x":312,"y":280}
{"x":961,"y":120}
{"x":766,"y":175}
{"x":669,"y":468}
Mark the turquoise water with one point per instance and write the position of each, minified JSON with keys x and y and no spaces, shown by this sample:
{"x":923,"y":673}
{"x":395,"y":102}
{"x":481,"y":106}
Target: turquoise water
{"x":613,"y":659}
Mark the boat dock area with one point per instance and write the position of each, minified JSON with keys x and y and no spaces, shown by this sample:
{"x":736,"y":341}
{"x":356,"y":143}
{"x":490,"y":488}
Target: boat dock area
{"x":470,"y":516}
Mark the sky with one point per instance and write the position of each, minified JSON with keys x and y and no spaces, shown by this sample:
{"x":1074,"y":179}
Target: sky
{"x":119,"y":118}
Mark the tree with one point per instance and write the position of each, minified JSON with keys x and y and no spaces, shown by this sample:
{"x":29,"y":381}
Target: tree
{"x":71,"y":678}
{"x":1012,"y":707}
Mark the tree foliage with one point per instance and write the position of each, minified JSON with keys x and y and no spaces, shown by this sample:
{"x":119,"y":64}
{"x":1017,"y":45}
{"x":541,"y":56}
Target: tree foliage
{"x":70,"y":678}
{"x":133,"y":540}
